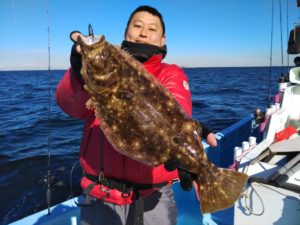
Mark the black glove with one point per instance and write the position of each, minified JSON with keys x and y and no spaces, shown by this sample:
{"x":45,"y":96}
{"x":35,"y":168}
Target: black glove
{"x":75,"y":59}
{"x":186,"y":178}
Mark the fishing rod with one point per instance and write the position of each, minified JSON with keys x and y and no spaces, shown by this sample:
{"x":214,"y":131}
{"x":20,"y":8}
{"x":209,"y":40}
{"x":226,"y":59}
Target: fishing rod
{"x":48,"y":193}
{"x":281,"y":36}
{"x":271,"y":56}
{"x":287,"y":34}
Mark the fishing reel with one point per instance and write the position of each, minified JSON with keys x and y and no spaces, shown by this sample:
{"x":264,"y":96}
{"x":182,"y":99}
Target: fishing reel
{"x":258,"y":118}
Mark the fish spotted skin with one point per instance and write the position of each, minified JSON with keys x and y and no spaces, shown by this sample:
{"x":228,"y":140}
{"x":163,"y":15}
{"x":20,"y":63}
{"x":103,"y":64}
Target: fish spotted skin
{"x":143,"y":121}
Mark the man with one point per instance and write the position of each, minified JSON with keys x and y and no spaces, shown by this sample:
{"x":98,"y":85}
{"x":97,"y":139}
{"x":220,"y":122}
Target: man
{"x":121,"y":190}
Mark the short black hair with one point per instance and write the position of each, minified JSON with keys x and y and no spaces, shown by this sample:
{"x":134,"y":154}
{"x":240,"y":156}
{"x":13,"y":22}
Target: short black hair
{"x":151,"y":10}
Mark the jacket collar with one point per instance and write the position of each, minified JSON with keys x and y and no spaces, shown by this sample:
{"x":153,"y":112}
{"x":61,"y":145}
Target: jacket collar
{"x":153,"y":63}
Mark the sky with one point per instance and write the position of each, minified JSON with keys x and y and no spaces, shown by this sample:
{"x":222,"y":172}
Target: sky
{"x":200,"y":33}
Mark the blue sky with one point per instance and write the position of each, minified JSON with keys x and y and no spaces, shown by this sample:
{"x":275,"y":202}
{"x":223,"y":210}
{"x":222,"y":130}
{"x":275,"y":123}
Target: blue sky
{"x":200,"y":33}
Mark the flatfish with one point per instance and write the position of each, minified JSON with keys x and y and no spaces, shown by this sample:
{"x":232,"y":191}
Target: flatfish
{"x":143,"y":121}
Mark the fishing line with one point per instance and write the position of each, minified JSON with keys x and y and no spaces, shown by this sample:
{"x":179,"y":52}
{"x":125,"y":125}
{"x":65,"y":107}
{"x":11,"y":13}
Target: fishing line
{"x":49,"y":114}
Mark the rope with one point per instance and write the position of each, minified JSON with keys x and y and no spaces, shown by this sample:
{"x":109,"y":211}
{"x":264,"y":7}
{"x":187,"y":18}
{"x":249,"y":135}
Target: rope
{"x":246,"y":195}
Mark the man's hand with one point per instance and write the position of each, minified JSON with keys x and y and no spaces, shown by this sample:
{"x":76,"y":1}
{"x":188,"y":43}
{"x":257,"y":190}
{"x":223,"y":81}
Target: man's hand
{"x":185,"y":178}
{"x":211,"y":140}
{"x":209,"y":136}
{"x":74,"y":37}
{"x":75,"y":56}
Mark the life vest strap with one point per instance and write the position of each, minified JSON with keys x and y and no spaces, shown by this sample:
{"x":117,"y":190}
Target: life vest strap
{"x":123,"y":186}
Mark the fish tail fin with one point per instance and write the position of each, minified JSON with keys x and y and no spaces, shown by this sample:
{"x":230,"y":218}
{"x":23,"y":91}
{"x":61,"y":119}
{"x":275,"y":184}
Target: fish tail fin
{"x":221,"y":190}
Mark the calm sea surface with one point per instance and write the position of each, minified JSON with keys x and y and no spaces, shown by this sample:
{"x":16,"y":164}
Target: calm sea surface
{"x":221,"y":97}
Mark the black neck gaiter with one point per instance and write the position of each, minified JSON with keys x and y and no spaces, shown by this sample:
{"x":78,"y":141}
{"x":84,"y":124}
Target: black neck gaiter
{"x":142,"y":52}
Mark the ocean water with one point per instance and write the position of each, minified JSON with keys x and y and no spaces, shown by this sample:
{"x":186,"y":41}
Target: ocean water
{"x":30,"y":129}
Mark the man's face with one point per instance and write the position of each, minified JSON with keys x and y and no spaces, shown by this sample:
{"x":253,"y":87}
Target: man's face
{"x":145,"y":28}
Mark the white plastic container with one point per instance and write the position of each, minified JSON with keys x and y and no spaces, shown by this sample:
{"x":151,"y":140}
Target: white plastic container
{"x":252,"y":141}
